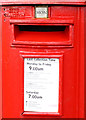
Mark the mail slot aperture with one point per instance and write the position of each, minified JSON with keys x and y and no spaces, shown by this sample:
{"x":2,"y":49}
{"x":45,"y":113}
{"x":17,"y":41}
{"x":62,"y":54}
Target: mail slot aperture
{"x":45,"y":34}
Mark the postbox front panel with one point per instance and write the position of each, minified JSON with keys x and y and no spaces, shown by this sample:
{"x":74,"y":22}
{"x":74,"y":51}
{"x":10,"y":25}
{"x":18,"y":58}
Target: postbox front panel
{"x":41,"y":62}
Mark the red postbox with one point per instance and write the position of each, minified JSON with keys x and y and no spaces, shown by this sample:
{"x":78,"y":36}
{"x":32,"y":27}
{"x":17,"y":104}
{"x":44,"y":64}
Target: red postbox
{"x":42,"y":59}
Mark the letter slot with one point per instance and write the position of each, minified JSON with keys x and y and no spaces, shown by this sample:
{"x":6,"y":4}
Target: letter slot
{"x":43,"y":34}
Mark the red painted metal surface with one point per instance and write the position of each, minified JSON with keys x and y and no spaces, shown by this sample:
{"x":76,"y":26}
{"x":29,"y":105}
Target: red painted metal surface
{"x":69,"y":43}
{"x":68,"y":2}
{"x":0,"y":64}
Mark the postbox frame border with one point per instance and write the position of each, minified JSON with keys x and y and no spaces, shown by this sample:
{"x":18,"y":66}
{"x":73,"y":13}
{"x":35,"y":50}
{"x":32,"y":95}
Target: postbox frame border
{"x":45,"y":55}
